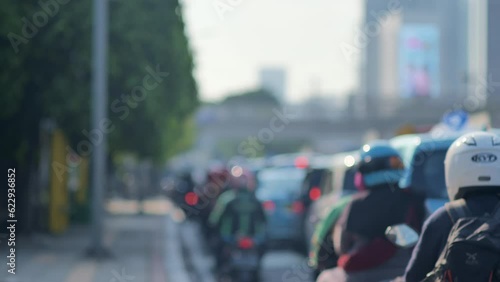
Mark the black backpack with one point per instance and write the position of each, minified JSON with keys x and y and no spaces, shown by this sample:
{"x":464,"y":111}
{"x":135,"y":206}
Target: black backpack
{"x":472,"y":252}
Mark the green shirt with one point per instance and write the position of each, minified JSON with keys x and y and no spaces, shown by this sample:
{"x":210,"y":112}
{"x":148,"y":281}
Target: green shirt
{"x":324,"y":227}
{"x":240,"y":212}
{"x":220,"y":206}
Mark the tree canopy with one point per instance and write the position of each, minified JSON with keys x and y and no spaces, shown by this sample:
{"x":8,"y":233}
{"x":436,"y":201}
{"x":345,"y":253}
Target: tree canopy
{"x":46,"y":50}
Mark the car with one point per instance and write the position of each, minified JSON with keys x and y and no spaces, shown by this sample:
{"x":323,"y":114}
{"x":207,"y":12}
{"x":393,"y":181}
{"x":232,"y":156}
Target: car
{"x":278,"y":190}
{"x":256,"y":164}
{"x":341,"y":182}
{"x":326,"y":209}
{"x":317,"y":169}
{"x":424,"y":157}
{"x":301,"y":160}
{"x":180,"y":187}
{"x":319,"y":175}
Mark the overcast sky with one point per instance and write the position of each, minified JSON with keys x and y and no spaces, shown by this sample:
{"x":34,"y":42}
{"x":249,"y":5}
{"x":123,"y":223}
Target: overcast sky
{"x":231,"y":43}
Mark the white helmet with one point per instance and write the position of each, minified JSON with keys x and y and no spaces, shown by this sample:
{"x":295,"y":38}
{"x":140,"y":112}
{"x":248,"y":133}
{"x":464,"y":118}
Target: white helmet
{"x":473,"y":163}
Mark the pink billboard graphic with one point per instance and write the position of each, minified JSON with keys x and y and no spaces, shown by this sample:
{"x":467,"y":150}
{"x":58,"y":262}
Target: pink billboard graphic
{"x":419,"y":61}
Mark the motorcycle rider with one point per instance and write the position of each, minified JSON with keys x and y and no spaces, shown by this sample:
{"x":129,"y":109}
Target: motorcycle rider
{"x":215,"y":184}
{"x":238,"y":213}
{"x":322,"y":255}
{"x":359,"y":234}
{"x":476,"y":182}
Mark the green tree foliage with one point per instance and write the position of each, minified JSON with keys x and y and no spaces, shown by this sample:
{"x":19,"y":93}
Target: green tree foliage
{"x":47,"y":74}
{"x":136,"y":50}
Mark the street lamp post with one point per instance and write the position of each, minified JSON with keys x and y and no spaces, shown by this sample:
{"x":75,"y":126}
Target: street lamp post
{"x":99,"y":114}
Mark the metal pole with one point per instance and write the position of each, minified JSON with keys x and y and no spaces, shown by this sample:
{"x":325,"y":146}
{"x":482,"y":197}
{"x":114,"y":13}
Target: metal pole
{"x":99,"y":114}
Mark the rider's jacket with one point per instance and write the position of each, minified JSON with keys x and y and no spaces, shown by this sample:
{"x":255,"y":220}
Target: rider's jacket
{"x":360,"y":231}
{"x":435,"y":235}
{"x":239,"y":213}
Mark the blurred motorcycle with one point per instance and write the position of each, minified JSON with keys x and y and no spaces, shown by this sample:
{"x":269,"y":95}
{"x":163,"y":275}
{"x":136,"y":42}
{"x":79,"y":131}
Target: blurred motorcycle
{"x":242,"y":261}
{"x":402,"y":236}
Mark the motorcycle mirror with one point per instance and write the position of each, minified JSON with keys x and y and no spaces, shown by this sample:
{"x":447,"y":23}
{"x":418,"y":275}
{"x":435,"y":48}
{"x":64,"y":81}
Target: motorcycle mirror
{"x":402,"y":235}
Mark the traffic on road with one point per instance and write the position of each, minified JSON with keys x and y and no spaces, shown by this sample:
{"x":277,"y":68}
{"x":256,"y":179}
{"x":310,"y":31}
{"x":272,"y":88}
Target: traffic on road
{"x":250,"y":141}
{"x":302,"y":202}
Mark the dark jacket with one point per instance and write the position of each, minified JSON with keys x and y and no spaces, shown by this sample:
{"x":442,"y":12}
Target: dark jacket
{"x":365,"y":220}
{"x":435,"y":235}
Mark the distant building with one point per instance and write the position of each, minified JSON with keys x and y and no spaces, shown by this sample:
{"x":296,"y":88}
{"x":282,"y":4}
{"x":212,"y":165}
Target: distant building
{"x":418,"y":50}
{"x":493,"y":42}
{"x":317,"y":108}
{"x":492,"y":63}
{"x":274,"y":81}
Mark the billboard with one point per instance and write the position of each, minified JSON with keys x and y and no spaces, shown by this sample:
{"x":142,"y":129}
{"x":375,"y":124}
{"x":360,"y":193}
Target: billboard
{"x":419,"y":61}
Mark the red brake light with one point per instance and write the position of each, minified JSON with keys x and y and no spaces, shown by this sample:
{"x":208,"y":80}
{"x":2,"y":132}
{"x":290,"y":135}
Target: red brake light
{"x":269,"y":205}
{"x":314,"y":193}
{"x":297,"y":207}
{"x":245,"y":243}
{"x":191,"y":198}
{"x":301,"y":162}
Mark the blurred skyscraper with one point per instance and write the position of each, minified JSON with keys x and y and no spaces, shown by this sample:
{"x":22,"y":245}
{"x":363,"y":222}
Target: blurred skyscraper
{"x":493,"y":59}
{"x":492,"y":47}
{"x":274,"y":80}
{"x":414,"y":49}
{"x":477,"y":35}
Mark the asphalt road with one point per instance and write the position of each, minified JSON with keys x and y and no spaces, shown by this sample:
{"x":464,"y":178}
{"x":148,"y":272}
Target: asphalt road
{"x":188,"y":259}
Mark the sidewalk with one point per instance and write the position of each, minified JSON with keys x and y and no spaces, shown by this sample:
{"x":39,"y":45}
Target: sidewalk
{"x":137,"y":243}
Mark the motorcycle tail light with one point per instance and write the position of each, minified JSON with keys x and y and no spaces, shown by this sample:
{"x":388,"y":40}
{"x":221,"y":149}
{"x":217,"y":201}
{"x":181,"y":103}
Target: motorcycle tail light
{"x":245,"y":243}
{"x":191,"y":199}
{"x":315,"y":193}
{"x":269,"y":205}
{"x":297,"y":207}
